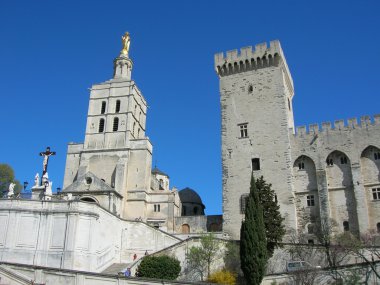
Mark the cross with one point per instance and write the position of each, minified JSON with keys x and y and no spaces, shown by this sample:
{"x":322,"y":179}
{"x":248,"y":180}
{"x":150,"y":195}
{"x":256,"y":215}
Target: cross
{"x":46,"y":156}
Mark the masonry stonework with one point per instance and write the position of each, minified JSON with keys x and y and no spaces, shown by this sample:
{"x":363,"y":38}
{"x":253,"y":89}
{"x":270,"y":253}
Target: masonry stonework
{"x":327,"y":173}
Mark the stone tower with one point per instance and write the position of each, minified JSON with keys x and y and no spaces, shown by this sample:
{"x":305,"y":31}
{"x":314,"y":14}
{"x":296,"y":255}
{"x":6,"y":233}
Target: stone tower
{"x":113,"y":165}
{"x":256,"y":92}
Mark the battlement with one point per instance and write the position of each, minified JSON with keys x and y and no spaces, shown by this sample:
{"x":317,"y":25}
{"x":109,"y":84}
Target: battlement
{"x":339,"y":125}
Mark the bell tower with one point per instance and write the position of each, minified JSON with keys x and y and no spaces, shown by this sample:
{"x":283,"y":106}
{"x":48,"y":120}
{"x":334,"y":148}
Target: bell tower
{"x":115,"y":154}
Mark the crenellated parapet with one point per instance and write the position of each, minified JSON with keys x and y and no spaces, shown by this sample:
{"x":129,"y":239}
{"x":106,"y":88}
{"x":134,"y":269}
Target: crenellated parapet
{"x":364,"y":122}
{"x":248,"y":59}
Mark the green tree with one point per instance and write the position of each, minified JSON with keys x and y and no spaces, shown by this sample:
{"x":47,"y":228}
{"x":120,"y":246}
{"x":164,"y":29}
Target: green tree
{"x":160,"y":267}
{"x":274,"y":228}
{"x":200,"y":258}
{"x":253,"y":245}
{"x":7,"y":176}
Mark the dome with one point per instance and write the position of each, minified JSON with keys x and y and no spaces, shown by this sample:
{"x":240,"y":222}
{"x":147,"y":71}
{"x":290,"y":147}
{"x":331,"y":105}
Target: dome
{"x":188,"y":195}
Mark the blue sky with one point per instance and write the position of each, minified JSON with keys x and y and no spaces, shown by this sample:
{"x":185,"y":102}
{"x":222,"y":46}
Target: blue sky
{"x":51,"y":52}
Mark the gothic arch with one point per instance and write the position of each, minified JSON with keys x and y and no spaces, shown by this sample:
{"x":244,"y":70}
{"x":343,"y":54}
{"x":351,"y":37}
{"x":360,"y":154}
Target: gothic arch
{"x":338,"y":170}
{"x":341,"y":190}
{"x":304,"y":174}
{"x":370,"y":164}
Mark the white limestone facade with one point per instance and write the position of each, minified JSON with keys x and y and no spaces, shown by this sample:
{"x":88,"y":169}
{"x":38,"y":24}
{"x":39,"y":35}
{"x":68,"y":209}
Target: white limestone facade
{"x":113,"y":167}
{"x":328,"y":173}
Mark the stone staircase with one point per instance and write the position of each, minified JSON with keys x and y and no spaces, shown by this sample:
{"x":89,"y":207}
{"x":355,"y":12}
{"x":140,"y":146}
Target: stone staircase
{"x":115,"y":268}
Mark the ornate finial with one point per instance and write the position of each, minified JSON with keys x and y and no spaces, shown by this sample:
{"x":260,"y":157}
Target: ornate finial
{"x":126,"y":41}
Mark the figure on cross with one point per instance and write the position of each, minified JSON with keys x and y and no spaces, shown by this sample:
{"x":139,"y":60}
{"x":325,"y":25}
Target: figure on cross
{"x":46,"y":154}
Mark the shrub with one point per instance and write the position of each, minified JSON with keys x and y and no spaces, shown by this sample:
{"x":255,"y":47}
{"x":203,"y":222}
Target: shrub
{"x":223,"y":277}
{"x":160,"y":267}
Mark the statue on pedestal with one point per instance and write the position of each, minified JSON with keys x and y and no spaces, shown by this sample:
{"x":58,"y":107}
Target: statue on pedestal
{"x":36,"y":180}
{"x":126,"y":41}
{"x":11,"y":190}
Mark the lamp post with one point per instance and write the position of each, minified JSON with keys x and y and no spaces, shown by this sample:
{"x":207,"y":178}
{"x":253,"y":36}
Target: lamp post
{"x":59,"y":192}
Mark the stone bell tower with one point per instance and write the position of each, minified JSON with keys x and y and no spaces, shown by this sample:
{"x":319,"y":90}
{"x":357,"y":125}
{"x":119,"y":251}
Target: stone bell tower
{"x":256,"y":92}
{"x":113,"y":164}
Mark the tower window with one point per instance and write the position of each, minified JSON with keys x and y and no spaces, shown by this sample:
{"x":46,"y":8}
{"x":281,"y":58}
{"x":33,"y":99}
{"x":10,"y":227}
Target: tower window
{"x":138,"y":133}
{"x":255,"y":164}
{"x":157,"y":208}
{"x":117,"y":109}
{"x":134,"y":127}
{"x":343,"y":160}
{"x":289,"y":106}
{"x":376,"y":193}
{"x":378,"y":227}
{"x":310,"y":200}
{"x":103,"y":109}
{"x":115,"y":124}
{"x":243,"y":130}
{"x":346,"y":226}
{"x":243,"y":203}
{"x":301,"y":165}
{"x":101,"y":125}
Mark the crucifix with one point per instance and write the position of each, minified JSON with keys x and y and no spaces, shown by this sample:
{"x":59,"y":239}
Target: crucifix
{"x":46,"y":154}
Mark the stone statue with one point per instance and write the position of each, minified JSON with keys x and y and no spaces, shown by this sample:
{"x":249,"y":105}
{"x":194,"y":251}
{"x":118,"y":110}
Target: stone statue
{"x":48,"y":190}
{"x":11,"y":189}
{"x":126,"y":41}
{"x":37,"y":180}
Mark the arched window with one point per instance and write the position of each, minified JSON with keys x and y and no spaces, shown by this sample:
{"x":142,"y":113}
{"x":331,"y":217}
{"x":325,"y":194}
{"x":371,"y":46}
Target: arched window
{"x":134,"y":127}
{"x":161,"y":184}
{"x":310,"y":228}
{"x":101,"y":125}
{"x":117,"y":109}
{"x":135,"y":110}
{"x":103,"y":109}
{"x":138,"y":133}
{"x":346,"y":226}
{"x":115,"y":124}
{"x":185,"y":229}
{"x":88,"y":199}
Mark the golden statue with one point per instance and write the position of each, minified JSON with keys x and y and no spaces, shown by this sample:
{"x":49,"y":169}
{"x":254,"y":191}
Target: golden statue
{"x":126,"y":41}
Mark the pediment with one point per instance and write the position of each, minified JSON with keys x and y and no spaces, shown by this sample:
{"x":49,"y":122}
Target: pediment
{"x":88,"y":182}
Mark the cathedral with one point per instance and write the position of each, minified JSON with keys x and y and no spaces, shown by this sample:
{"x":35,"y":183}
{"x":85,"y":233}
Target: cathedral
{"x":326,"y":174}
{"x":115,"y":208}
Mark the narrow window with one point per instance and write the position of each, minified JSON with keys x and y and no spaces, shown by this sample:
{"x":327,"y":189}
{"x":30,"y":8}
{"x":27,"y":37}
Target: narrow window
{"x":310,"y":200}
{"x":138,"y":133}
{"x":329,"y":161}
{"x":117,"y":109}
{"x":343,"y":160}
{"x":377,"y":155}
{"x":155,"y":208}
{"x":289,"y":106}
{"x":243,"y":130}
{"x":195,"y":210}
{"x":103,"y":109}
{"x":346,"y":226}
{"x":250,"y":89}
{"x":135,"y":110}
{"x":378,"y":227}
{"x":243,"y":203}
{"x":115,"y":124}
{"x":376,"y":193}
{"x":301,"y":165}
{"x":275,"y":198}
{"x":134,"y":127}
{"x":161,"y":184}
{"x":158,"y":208}
{"x":255,"y":164}
{"x":101,"y":125}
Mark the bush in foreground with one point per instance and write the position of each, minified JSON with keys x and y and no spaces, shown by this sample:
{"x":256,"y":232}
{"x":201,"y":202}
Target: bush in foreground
{"x":223,"y":277}
{"x":159,"y":267}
